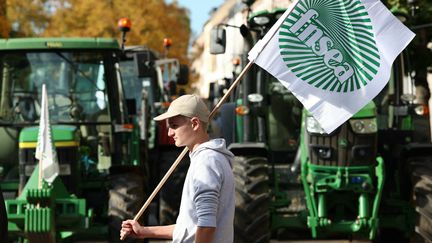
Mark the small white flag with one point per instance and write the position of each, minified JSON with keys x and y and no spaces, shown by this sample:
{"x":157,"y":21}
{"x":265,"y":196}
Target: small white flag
{"x":45,"y":149}
{"x":334,"y":56}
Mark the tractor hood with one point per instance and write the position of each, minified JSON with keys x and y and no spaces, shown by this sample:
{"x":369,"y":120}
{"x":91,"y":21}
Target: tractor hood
{"x":61,"y":134}
{"x":368,"y":110}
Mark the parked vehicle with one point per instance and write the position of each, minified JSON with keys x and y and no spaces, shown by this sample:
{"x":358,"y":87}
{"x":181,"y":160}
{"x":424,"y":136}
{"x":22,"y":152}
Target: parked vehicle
{"x":368,"y":179}
{"x":101,"y":177}
{"x":151,"y":80}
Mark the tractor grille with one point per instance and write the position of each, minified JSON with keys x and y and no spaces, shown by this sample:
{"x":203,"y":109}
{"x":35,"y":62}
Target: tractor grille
{"x":68,"y":164}
{"x":342,"y":148}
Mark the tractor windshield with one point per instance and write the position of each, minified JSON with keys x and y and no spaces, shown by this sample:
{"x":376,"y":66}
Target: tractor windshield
{"x":136,"y":86}
{"x":75,"y":82}
{"x":132,"y":84}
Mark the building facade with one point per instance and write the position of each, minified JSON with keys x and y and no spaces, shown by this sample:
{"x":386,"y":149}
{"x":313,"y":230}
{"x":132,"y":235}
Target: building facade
{"x":211,"y":70}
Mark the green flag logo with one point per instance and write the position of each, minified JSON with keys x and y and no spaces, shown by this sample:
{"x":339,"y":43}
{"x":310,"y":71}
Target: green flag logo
{"x":330,"y":44}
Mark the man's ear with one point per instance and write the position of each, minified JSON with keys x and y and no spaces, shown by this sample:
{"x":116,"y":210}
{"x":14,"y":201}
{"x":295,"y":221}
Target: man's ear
{"x":196,"y":123}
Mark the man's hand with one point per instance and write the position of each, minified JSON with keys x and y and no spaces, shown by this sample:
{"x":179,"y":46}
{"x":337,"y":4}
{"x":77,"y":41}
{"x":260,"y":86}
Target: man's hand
{"x":204,"y":234}
{"x":130,"y":228}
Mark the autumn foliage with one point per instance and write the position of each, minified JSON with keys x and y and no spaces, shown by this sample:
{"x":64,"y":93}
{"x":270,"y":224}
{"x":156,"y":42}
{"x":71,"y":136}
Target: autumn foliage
{"x":152,"y":21}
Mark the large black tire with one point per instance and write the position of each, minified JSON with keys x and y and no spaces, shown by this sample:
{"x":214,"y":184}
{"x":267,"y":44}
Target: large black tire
{"x":421,"y":168}
{"x":3,"y":219}
{"x":252,"y":216}
{"x":170,"y":194}
{"x":126,"y":196}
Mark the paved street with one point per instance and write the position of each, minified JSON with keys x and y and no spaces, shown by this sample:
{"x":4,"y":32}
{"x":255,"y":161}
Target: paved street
{"x":272,"y":241}
{"x":302,"y":241}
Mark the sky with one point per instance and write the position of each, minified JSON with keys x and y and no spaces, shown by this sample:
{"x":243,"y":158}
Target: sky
{"x":199,"y":11}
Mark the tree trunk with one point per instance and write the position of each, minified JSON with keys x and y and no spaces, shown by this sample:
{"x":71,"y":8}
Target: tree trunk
{"x":4,"y":23}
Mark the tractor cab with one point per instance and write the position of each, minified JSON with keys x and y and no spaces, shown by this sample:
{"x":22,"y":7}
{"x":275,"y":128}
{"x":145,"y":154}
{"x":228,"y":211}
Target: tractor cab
{"x":90,"y":131}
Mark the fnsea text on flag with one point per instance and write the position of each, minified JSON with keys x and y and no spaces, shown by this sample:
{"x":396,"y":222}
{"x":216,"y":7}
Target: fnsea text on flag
{"x":334,"y":56}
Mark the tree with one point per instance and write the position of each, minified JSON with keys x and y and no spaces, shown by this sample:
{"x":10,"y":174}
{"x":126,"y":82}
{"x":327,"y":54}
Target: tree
{"x":152,"y":21}
{"x":27,"y":18}
{"x":4,"y":23}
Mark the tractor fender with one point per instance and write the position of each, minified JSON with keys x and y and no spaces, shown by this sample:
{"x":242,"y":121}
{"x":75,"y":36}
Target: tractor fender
{"x":255,"y":149}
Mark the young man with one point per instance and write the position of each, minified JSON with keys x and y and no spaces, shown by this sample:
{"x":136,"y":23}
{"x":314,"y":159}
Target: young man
{"x":207,"y":205}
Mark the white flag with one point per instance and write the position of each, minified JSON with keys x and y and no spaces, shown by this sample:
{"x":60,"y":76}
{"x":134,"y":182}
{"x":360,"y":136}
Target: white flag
{"x":45,"y":150}
{"x":334,"y":56}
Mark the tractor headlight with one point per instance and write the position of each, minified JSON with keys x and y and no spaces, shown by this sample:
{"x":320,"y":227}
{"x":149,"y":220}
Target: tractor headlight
{"x":313,"y":126}
{"x":422,"y":110}
{"x":364,"y":126}
{"x":255,"y":98}
{"x":323,"y":152}
{"x":261,"y":20}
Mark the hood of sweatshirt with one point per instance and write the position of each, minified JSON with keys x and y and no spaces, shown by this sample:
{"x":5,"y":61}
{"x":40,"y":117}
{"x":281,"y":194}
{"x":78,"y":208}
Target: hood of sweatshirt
{"x":217,"y":145}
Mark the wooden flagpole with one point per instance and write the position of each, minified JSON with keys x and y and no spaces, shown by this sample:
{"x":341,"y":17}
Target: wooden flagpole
{"x":185,"y":150}
{"x":215,"y":109}
{"x":40,"y":174}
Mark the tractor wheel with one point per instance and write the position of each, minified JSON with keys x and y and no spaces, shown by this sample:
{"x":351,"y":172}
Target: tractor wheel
{"x":422,"y":195}
{"x":252,"y":217}
{"x":170,"y":194}
{"x":126,"y":196}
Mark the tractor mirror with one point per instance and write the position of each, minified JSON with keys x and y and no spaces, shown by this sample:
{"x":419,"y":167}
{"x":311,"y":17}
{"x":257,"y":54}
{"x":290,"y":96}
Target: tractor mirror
{"x":217,"y":40}
{"x":143,"y":64}
{"x":183,"y":77}
{"x":244,"y":31}
{"x":248,"y":2}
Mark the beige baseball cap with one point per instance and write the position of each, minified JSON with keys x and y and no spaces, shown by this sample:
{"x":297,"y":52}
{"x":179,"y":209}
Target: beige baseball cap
{"x":186,"y":105}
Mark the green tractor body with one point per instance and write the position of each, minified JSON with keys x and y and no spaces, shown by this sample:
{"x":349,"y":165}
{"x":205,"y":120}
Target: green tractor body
{"x":369,"y":179}
{"x":100,"y":181}
{"x":342,"y":175}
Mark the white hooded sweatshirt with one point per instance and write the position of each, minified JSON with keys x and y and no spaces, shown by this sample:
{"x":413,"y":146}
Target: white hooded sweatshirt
{"x":208,"y":194}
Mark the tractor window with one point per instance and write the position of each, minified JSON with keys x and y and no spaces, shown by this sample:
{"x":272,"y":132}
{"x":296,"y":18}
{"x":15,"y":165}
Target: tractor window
{"x":131,"y":82}
{"x":284,"y":118}
{"x":398,"y":92}
{"x":89,"y":88}
{"x":135,"y":87}
{"x":75,"y":85}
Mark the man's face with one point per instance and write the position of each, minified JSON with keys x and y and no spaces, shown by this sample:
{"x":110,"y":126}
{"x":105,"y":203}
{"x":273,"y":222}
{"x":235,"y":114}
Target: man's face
{"x":181,"y":130}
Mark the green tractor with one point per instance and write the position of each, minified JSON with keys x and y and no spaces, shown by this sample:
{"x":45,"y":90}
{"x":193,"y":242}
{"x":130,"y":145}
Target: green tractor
{"x":152,"y":82}
{"x":370,"y":176}
{"x":369,"y":179}
{"x":101,"y":178}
